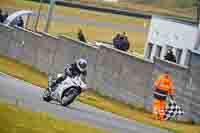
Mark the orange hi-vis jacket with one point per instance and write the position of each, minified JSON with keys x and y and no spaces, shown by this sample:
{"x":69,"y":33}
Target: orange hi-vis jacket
{"x":163,"y":87}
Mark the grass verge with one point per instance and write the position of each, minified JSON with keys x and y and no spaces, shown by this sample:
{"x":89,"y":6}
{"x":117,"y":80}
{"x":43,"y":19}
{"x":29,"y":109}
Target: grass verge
{"x":92,"y":32}
{"x":17,"y":120}
{"x":177,"y":8}
{"x":23,"y":72}
{"x":67,"y":11}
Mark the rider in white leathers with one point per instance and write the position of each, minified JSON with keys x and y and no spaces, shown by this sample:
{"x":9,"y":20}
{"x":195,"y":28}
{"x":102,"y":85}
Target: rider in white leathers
{"x":79,"y":68}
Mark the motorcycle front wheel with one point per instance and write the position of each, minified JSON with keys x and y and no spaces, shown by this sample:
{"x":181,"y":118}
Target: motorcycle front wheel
{"x":47,"y":96}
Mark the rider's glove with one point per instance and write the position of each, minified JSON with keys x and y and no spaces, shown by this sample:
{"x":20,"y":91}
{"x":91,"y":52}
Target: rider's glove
{"x":172,"y":97}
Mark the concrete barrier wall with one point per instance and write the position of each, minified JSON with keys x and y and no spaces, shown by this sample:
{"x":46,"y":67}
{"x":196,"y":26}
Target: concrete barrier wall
{"x":122,"y":76}
{"x":111,"y":72}
{"x":46,"y":53}
{"x":195,"y":85}
{"x":50,"y":54}
{"x":5,"y":37}
{"x":27,"y":46}
{"x":20,"y":44}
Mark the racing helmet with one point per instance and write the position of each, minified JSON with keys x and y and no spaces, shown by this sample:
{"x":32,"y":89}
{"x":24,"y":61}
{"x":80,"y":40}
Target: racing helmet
{"x":59,"y":75}
{"x":81,"y":64}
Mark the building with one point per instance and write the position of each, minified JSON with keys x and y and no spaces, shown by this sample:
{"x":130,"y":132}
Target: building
{"x":166,"y":34}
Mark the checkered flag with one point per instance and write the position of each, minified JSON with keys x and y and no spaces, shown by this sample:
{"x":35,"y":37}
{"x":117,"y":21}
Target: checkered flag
{"x":172,"y":109}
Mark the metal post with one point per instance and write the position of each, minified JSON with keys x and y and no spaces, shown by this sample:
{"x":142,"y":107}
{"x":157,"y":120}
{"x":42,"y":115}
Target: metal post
{"x":38,"y":16}
{"x":27,"y":22}
{"x":197,"y":4}
{"x":198,"y":13}
{"x":52,"y":3}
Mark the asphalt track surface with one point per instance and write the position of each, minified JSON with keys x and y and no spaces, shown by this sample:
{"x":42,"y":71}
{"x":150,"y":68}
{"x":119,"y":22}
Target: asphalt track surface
{"x":27,"y":95}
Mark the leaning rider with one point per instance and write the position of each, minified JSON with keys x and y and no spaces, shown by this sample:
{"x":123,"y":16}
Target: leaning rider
{"x":79,"y":68}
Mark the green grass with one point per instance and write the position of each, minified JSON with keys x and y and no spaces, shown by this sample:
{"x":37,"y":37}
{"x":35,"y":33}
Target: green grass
{"x":178,"y":8}
{"x":184,"y":3}
{"x":19,"y":120}
{"x":67,"y":11}
{"x":23,"y":72}
{"x":136,"y":113}
{"x":92,"y":32}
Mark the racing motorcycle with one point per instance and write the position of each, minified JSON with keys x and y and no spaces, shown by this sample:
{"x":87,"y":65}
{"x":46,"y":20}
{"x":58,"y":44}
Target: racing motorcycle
{"x":64,"y":92}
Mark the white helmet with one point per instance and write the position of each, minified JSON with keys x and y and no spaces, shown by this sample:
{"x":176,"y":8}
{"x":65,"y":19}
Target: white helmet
{"x":81,"y":64}
{"x":59,"y":75}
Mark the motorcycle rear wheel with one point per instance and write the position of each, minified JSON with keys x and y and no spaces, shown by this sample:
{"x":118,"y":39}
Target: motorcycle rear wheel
{"x":69,"y":97}
{"x":66,"y":100}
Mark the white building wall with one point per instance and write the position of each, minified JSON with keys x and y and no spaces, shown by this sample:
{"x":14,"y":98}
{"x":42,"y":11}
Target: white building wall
{"x":169,"y":33}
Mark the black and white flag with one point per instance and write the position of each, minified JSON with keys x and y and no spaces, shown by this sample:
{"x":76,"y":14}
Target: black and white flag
{"x":172,"y":109}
